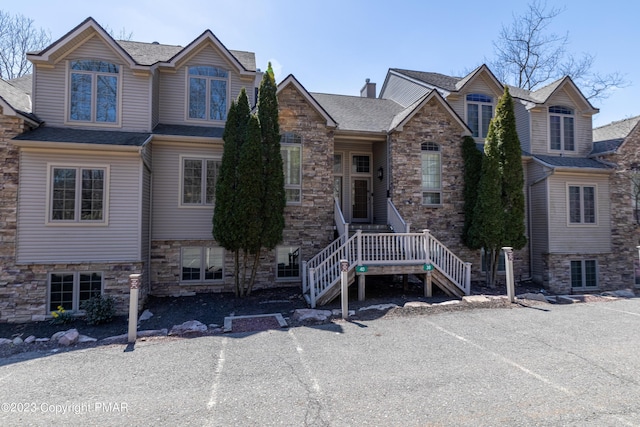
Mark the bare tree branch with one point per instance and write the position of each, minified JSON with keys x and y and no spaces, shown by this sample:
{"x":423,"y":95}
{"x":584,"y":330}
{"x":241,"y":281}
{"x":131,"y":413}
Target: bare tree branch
{"x":528,"y":56}
{"x":18,"y":36}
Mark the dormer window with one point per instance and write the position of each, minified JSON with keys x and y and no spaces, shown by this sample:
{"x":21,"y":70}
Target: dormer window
{"x":561,"y":128}
{"x":479,"y":114}
{"x":93,"y":94}
{"x":208,"y":93}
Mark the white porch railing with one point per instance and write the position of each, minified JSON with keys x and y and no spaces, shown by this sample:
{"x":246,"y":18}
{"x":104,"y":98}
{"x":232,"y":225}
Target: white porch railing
{"x":395,"y":220}
{"x":323,"y":271}
{"x":342,"y":226}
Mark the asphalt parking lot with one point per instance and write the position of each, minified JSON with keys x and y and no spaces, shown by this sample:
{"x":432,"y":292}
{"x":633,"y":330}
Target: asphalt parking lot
{"x":570,"y":365}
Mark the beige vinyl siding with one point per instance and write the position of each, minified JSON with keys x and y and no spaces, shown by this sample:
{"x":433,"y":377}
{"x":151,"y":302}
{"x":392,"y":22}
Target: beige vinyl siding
{"x":585,"y":239}
{"x":117,"y":241}
{"x":155,"y":103}
{"x":479,"y":85}
{"x":538,"y":218}
{"x":173,"y":88}
{"x":145,"y":228}
{"x":170,"y":220}
{"x":540,"y":128}
{"x":403,"y":91}
{"x":523,"y":125}
{"x":50,"y":102}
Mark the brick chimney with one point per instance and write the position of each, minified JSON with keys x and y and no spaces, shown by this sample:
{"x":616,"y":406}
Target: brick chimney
{"x":368,"y":90}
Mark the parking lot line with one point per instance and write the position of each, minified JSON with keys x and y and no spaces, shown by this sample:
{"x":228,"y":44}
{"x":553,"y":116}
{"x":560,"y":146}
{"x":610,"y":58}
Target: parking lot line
{"x":213,"y":399}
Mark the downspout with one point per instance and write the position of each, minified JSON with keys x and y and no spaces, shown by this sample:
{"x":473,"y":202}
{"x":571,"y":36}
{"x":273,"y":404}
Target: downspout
{"x":147,"y":167}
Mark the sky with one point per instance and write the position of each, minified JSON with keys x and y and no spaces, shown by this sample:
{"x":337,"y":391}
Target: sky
{"x":332,"y":46}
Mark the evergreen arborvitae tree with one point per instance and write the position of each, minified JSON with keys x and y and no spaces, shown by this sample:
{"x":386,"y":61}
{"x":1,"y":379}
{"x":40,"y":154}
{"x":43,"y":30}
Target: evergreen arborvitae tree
{"x":250,"y":191}
{"x":273,"y":201}
{"x":511,"y":172}
{"x":486,"y":230}
{"x":472,"y":171}
{"x":227,"y":224}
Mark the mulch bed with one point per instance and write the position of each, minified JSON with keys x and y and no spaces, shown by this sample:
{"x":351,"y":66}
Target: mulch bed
{"x":254,"y":324}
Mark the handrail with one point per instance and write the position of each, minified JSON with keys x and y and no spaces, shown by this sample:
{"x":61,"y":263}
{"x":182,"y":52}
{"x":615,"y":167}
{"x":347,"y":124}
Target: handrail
{"x":395,"y":219}
{"x":342,"y":226}
{"x":385,"y":249}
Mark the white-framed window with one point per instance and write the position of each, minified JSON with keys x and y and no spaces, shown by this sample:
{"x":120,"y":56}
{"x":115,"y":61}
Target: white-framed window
{"x":582,"y":204}
{"x":198,"y":180}
{"x":69,"y":289}
{"x":201,"y":264}
{"x":479,"y":114}
{"x":484,"y":261}
{"x":94,"y":88}
{"x":291,"y":150}
{"x":431,"y":174}
{"x":584,"y":274}
{"x":561,"y":129}
{"x":288,"y":262}
{"x":77,"y":194}
{"x":207,"y":89}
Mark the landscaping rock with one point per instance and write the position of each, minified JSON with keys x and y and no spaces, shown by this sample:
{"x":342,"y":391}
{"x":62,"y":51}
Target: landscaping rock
{"x":306,"y":314}
{"x":17,"y":341}
{"x":5,"y":341}
{"x":475,"y":299}
{"x":42,"y":339}
{"x":57,"y":335}
{"x":379,"y":307}
{"x":450,"y":302}
{"x":416,"y":304}
{"x":622,"y":293}
{"x":146,"y":315}
{"x":338,"y":312}
{"x":114,"y":339}
{"x":563,"y":299}
{"x":188,"y":327}
{"x":30,"y":339}
{"x":84,"y":338}
{"x":68,"y":338}
{"x":153,"y":333}
{"x":533,"y":296}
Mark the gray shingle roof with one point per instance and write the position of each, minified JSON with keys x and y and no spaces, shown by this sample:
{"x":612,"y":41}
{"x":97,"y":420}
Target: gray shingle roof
{"x":82,"y":136}
{"x":434,"y":79}
{"x":15,"y":96}
{"x":185,"y":130}
{"x":359,"y":113}
{"x":600,"y":147}
{"x":23,"y":83}
{"x":615,"y":130}
{"x":152,"y":53}
{"x":571,"y":162}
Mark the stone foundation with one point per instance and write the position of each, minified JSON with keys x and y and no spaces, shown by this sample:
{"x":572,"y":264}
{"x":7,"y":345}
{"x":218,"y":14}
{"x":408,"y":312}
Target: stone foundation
{"x":24,"y":289}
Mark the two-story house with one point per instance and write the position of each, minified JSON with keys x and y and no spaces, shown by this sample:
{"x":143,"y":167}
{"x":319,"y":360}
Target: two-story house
{"x":114,"y":170}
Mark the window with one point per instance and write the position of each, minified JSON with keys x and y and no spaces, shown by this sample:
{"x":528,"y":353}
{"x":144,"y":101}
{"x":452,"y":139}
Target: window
{"x":288,"y":259}
{"x":291,"y":150}
{"x":584,"y":274}
{"x":200,"y":264}
{"x":360,"y":164}
{"x":582,"y":204}
{"x":78,"y":194}
{"x":70,"y":289}
{"x":93,"y":94}
{"x":199,"y":181}
{"x":431,"y":174}
{"x":561,"y":128}
{"x":479,"y":114}
{"x":208,"y":93}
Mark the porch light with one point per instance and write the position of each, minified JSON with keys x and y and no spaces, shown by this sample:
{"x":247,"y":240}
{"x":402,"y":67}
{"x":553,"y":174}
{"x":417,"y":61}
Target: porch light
{"x":380,"y":173}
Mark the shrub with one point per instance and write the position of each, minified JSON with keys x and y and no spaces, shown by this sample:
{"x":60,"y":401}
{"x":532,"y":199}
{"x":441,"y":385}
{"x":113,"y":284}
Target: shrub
{"x":99,"y":309}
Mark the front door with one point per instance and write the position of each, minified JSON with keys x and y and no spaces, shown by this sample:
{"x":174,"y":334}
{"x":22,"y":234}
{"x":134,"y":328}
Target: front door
{"x":360,"y":206}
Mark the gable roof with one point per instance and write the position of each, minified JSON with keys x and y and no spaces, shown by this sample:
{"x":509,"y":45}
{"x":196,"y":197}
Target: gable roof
{"x":609,"y":138}
{"x":401,"y":119}
{"x":442,"y":81}
{"x":144,"y":55}
{"x":355,"y":113}
{"x":291,"y":80}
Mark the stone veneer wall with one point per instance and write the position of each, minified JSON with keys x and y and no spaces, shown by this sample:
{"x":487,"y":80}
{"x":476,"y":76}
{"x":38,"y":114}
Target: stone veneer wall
{"x":24,"y":297}
{"x":434,"y":124}
{"x":308,"y":226}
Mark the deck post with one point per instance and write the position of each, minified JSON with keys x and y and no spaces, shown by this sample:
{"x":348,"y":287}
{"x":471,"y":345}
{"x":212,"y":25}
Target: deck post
{"x":361,"y":285}
{"x":305,"y":283}
{"x":508,"y":257}
{"x":134,"y":286}
{"x":428,"y":285}
{"x":467,"y":277}
{"x":427,"y":245}
{"x":344,"y":278}
{"x":359,"y":247}
{"x":312,"y":287}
